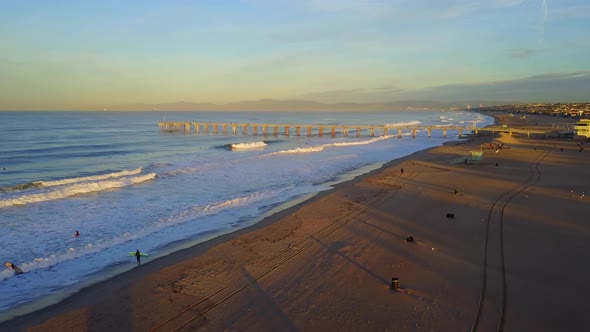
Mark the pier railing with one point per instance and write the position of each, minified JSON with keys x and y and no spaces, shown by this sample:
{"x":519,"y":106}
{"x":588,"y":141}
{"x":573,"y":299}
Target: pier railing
{"x":232,"y":128}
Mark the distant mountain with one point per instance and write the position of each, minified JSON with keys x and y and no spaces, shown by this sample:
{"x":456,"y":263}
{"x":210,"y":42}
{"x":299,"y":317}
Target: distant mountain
{"x":177,"y":106}
{"x":272,"y":105}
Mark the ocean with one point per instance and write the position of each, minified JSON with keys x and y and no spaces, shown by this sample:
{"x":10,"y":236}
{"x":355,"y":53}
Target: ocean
{"x":124,"y":184}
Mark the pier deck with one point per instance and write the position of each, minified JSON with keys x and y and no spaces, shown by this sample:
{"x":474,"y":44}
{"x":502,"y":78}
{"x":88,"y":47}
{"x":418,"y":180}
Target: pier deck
{"x":227,"y":128}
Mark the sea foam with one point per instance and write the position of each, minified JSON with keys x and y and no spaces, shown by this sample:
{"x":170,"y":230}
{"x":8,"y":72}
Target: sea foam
{"x":253,"y":145}
{"x":404,"y":124}
{"x":320,"y":148}
{"x":91,"y":178}
{"x":179,"y":217}
{"x":73,"y":187}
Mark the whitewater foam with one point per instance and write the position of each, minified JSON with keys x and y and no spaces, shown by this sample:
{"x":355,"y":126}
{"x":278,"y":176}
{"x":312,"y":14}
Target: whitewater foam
{"x":252,"y":145}
{"x":320,"y":148}
{"x":404,"y":124}
{"x":300,"y":150}
{"x":91,"y":178}
{"x":179,"y":217}
{"x":59,"y":191}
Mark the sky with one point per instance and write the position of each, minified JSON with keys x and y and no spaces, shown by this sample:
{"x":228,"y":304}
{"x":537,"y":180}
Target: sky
{"x":83,"y":54}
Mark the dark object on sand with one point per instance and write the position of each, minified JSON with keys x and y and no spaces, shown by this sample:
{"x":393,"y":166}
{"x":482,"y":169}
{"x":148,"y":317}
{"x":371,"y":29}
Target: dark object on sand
{"x":409,"y":239}
{"x":496,"y":164}
{"x":450,"y":215}
{"x":394,"y":283}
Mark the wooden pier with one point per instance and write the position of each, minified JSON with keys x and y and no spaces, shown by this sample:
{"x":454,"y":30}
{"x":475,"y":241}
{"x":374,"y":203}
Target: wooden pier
{"x":297,"y":129}
{"x":547,"y":131}
{"x":227,"y":128}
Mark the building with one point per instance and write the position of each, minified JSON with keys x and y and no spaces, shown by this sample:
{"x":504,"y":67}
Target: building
{"x":582,"y":128}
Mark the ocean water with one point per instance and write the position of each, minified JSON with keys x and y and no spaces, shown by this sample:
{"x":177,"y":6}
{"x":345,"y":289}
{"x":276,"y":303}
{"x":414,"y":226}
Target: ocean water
{"x":124,"y":184}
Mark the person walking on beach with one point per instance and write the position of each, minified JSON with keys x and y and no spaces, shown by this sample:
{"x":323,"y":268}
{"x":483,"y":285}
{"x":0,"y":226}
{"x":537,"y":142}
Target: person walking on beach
{"x":137,"y":256}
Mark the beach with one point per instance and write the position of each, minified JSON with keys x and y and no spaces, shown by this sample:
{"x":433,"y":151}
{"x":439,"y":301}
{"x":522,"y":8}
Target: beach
{"x":499,"y":244}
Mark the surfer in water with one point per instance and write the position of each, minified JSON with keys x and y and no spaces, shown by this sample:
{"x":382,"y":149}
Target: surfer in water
{"x":16,"y":269}
{"x":76,"y":234}
{"x":138,"y":257}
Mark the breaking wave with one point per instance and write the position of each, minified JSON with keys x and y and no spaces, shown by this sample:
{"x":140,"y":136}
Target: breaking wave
{"x":253,"y":145}
{"x":179,"y":217}
{"x":53,"y":190}
{"x":91,"y":178}
{"x":45,"y":184}
{"x":404,"y":124}
{"x":328,"y":145}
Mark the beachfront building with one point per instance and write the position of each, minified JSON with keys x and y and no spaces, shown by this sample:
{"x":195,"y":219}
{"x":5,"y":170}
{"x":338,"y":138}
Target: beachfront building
{"x":582,"y":128}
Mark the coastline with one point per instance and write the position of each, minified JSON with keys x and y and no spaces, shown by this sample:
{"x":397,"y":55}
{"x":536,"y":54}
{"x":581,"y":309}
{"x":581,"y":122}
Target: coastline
{"x":141,"y":298}
{"x":94,"y":289}
{"x":112,"y":271}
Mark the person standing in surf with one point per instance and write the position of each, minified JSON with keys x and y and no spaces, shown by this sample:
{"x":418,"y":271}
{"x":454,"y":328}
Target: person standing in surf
{"x":138,"y":257}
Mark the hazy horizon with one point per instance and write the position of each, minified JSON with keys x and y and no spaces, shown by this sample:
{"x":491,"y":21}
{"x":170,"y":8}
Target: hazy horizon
{"x":66,"y":55}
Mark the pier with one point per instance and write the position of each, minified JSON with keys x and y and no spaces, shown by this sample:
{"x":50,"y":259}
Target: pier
{"x":556,"y":130}
{"x":276,"y":129}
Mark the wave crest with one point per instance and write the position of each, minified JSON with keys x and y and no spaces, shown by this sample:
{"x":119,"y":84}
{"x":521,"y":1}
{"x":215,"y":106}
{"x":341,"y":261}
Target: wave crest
{"x":404,"y":124}
{"x":320,"y":148}
{"x":301,"y":150}
{"x":253,"y":145}
{"x":76,"y":186}
{"x":91,"y":178}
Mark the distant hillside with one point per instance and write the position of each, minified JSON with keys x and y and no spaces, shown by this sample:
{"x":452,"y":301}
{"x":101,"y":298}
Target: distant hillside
{"x":271,"y":105}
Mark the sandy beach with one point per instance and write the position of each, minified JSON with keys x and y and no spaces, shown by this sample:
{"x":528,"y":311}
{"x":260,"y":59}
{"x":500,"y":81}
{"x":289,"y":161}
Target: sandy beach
{"x":497,"y":245}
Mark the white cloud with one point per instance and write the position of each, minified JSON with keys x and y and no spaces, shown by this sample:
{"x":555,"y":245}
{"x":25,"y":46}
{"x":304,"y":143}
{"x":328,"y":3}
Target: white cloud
{"x":542,"y":21}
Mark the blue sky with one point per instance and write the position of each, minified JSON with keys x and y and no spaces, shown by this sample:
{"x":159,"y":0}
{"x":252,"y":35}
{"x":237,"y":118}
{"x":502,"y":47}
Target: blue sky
{"x":69,"y":54}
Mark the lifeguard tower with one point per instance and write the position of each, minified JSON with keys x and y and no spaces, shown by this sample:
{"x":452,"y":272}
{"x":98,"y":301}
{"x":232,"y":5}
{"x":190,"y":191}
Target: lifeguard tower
{"x":582,"y":128}
{"x":474,"y":157}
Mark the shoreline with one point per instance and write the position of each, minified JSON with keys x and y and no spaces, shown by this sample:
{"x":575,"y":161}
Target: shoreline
{"x":176,"y":257}
{"x":71,"y":308}
{"x":267,"y":218}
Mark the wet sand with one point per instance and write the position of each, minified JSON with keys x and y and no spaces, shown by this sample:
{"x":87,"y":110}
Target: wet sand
{"x":503,"y":242}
